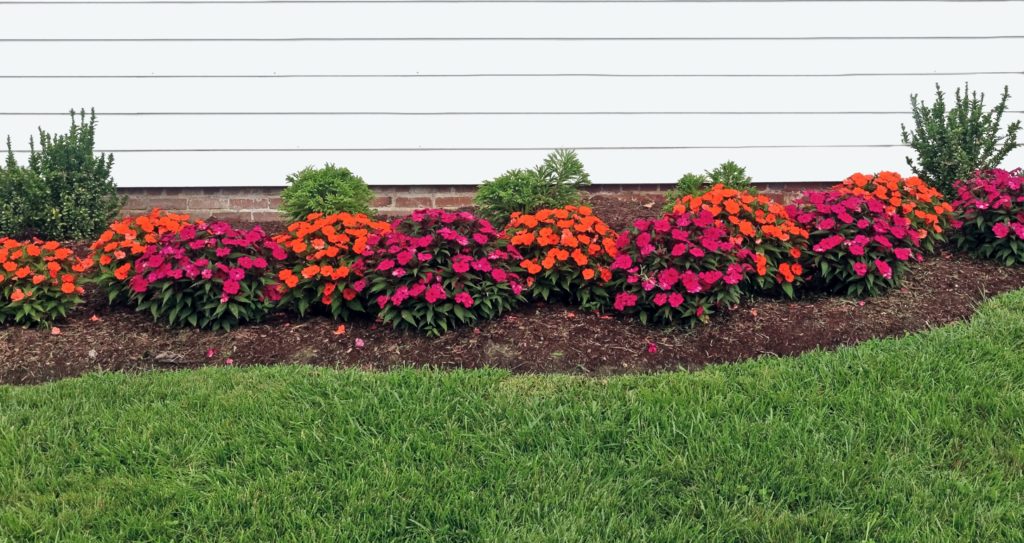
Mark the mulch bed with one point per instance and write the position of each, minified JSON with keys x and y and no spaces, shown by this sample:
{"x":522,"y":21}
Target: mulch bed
{"x":536,"y":338}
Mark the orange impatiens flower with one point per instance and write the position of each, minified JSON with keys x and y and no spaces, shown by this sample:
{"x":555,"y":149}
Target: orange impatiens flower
{"x":325,"y":264}
{"x":564,"y":250}
{"x":115,"y":251}
{"x":759,"y":225}
{"x":41,"y":281}
{"x":910,"y":197}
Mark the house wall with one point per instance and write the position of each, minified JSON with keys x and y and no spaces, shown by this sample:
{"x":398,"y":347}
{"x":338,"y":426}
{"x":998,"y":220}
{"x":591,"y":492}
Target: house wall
{"x":236,"y":93}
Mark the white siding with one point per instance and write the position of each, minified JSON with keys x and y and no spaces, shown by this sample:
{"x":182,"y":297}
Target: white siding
{"x":827,"y":118}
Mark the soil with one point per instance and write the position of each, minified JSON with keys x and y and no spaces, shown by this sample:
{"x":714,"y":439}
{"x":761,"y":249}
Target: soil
{"x":536,"y":338}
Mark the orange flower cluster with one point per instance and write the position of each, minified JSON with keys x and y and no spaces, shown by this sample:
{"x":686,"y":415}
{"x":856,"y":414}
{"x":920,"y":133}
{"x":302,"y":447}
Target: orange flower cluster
{"x":772,"y":240}
{"x":117,"y":247}
{"x":324,"y":252}
{"x":563,"y":249}
{"x":910,"y":197}
{"x":38,"y":280}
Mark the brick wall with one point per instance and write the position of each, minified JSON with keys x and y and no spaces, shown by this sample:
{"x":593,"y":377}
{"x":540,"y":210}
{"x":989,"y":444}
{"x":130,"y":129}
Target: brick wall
{"x":261,"y":203}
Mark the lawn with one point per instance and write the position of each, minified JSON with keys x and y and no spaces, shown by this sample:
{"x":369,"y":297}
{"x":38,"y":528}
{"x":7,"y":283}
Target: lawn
{"x":912,"y":439}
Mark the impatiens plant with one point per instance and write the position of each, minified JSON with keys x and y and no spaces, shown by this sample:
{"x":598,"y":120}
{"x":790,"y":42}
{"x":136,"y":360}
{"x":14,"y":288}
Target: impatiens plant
{"x":989,"y":218}
{"x":325,"y":268}
{"x":857,"y":246}
{"x":39,"y":281}
{"x":207,"y":275}
{"x":115,"y":251}
{"x":923,"y":205}
{"x":566,"y":253}
{"x":762,"y":228}
{"x":436,"y":269}
{"x":682,"y":267}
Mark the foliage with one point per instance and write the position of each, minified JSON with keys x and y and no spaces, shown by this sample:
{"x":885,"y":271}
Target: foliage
{"x":65,"y":192}
{"x":328,"y":191}
{"x":764,"y":231}
{"x":953,"y":145}
{"x":728,"y":174}
{"x":566,"y":253}
{"x":858,"y":247}
{"x":115,"y":251}
{"x":990,"y":216}
{"x":207,"y":275}
{"x":436,"y":270}
{"x":325,"y":266}
{"x":924,"y":206}
{"x":553,"y":184}
{"x":39,"y":281}
{"x":682,"y":267}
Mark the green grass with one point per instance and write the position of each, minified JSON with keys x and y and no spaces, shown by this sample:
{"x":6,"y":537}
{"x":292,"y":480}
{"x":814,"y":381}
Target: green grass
{"x":916,"y":439}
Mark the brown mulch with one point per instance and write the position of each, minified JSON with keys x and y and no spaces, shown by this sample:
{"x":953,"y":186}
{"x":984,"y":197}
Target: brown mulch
{"x":536,"y":338}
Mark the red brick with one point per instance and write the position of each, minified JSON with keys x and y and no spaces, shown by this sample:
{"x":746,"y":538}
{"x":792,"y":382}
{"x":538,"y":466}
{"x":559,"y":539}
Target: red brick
{"x":381,"y":201}
{"x":249,"y":203}
{"x":267,"y":216}
{"x":204,"y":202}
{"x":453,"y":201}
{"x":413,"y":202}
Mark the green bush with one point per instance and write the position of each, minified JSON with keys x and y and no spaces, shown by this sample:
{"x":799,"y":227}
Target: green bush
{"x":953,"y":145}
{"x":66,"y":191}
{"x":729,"y":174}
{"x":326,"y":190}
{"x":553,"y":184}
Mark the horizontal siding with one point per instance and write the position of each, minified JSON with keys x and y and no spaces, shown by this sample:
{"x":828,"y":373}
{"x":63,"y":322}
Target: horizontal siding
{"x":372,"y":105}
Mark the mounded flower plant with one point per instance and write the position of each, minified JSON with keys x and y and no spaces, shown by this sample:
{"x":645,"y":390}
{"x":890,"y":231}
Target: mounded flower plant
{"x":114,"y":253}
{"x":858,"y":246}
{"x":435,"y":270}
{"x":40,"y":281}
{"x":325,"y":266}
{"x":989,"y":218}
{"x":682,"y":267}
{"x":566,"y":253}
{"x":208,"y":275}
{"x":928,"y":212}
{"x":762,"y":229}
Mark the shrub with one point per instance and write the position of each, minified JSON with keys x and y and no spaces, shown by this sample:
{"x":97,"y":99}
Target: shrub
{"x":114,"y":253}
{"x":764,"y":231}
{"x":858,"y":247}
{"x":990,"y":216}
{"x":207,"y":275}
{"x":325,"y":268}
{"x":954,"y":145}
{"x":436,"y":270}
{"x":682,"y":267}
{"x":553,"y":184}
{"x":39,"y":281}
{"x":566,"y":253}
{"x":924,"y":206}
{"x":728,"y":174}
{"x":66,"y":191}
{"x":328,"y":191}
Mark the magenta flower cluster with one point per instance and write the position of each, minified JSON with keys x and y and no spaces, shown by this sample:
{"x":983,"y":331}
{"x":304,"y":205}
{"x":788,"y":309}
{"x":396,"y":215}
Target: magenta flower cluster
{"x":858,"y":246}
{"x":217,"y":275}
{"x":682,"y":266}
{"x":436,"y":269}
{"x":989,"y":215}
